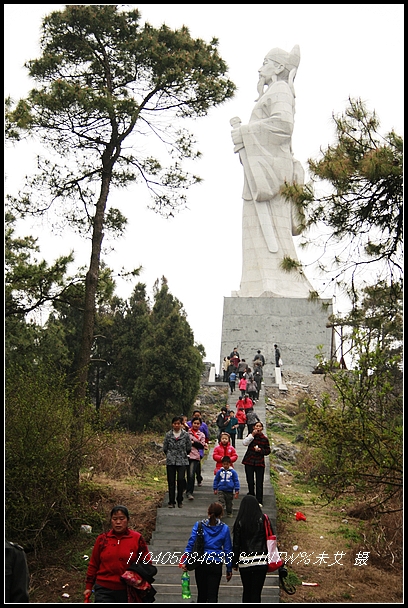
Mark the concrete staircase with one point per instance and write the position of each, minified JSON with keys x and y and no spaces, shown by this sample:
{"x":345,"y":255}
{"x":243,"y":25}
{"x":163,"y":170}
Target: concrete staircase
{"x":173,"y":529}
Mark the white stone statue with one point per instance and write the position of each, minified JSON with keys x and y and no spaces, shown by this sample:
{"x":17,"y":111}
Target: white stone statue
{"x":265,"y":148}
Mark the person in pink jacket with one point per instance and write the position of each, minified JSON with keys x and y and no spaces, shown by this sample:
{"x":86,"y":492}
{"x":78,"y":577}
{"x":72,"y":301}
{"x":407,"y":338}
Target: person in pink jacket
{"x":224,"y":448}
{"x":242,"y":386}
{"x":197,"y":439}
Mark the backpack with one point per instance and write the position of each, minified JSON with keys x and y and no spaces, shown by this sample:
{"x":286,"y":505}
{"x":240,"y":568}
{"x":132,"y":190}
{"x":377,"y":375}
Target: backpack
{"x":232,"y":376}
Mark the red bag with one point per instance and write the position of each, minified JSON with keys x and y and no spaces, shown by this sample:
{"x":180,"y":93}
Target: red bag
{"x":135,"y":580}
{"x":274,"y":559}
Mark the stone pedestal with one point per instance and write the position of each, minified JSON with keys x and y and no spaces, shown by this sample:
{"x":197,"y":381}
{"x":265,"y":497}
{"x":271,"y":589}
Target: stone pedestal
{"x":296,"y":325}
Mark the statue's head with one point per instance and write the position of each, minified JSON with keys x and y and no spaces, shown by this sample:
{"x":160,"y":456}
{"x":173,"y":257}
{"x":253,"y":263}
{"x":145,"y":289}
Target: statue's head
{"x":289,"y":60}
{"x":278,"y":65}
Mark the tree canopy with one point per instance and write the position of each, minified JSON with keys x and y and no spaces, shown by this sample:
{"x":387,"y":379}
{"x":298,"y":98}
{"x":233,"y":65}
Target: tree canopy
{"x":29,"y":283}
{"x":363,"y":209}
{"x":168,"y":378}
{"x":108,"y":87}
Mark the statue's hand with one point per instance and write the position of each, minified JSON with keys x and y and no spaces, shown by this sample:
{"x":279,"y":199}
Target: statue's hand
{"x":237,"y":137}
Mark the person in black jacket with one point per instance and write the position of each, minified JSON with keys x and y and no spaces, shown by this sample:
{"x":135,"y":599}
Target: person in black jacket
{"x":258,"y":377}
{"x":277,"y":355}
{"x":250,"y":553}
{"x":254,"y":459}
{"x":222,"y":420}
{"x":17,"y":578}
{"x":259,"y":357}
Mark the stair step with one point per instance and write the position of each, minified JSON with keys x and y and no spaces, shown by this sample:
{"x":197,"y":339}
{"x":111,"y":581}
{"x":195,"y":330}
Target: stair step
{"x":173,"y":529}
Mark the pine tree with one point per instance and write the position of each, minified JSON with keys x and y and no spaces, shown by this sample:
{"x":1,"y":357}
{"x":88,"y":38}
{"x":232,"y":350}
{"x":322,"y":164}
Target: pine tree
{"x":105,"y":83}
{"x":171,"y":364}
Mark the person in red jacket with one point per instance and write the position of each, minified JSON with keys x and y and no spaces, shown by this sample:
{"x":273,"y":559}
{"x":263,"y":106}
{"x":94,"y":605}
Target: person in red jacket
{"x":234,"y":358}
{"x":113,"y":553}
{"x":241,"y":417}
{"x":224,"y":448}
{"x":247,"y":403}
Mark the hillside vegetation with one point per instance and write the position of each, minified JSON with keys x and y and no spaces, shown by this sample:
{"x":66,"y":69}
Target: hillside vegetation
{"x":130,"y":469}
{"x":334,"y":533}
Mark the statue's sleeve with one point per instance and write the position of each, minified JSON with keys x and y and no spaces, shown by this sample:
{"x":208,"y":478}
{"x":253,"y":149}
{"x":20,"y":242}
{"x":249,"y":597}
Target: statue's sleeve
{"x":298,"y":178}
{"x":267,"y":138}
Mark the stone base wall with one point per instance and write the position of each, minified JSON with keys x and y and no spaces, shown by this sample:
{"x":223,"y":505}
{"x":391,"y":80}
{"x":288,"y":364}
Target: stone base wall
{"x":296,"y":325}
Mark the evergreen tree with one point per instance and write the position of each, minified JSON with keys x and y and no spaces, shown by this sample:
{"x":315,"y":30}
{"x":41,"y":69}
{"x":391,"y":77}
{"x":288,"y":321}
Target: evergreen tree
{"x":62,"y":331}
{"x":105,"y":83}
{"x":358,"y":440}
{"x":30,"y":286}
{"x":130,"y":322}
{"x":363,"y":209}
{"x":168,"y":378}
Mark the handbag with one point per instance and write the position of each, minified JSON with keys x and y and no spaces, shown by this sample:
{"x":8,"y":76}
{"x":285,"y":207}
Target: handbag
{"x":196,"y":557}
{"x":274,"y":559}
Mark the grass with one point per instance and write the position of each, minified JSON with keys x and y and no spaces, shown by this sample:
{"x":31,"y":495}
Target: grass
{"x":296,"y":502}
{"x":324,"y":531}
{"x":349,"y":533}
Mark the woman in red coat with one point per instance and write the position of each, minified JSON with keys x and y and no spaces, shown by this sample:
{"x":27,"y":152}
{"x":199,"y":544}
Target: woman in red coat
{"x":113,"y":553}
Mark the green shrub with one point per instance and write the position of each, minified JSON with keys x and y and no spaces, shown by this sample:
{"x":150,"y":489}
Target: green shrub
{"x":38,"y":418}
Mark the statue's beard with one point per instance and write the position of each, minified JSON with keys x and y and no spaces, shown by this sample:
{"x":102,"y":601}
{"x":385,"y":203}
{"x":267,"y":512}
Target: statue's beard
{"x":260,"y":87}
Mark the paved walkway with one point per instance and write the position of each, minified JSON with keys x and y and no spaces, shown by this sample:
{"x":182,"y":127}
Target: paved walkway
{"x":173,"y":529}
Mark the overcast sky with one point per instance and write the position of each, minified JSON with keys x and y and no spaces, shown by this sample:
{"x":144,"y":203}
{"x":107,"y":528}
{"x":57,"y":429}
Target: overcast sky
{"x":347,"y":50}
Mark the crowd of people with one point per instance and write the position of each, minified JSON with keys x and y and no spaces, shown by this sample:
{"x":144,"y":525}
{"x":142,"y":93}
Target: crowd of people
{"x":111,"y":574}
{"x":185,"y":444}
{"x":121,"y":571}
{"x":108,"y":574}
{"x":245,"y":552}
{"x":112,"y":578}
{"x":249,"y":378}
